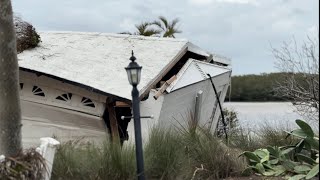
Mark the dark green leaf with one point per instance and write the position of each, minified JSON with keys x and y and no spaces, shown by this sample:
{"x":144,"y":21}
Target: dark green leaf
{"x":304,"y":158}
{"x":305,"y":127}
{"x":260,"y":168}
{"x":313,"y":142}
{"x":300,"y":146}
{"x":251,"y":156}
{"x":289,"y":165}
{"x":299,"y":133}
{"x":274,"y":151}
{"x":286,"y":151}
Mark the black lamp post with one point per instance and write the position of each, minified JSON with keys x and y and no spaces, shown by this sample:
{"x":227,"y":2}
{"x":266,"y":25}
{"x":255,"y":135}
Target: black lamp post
{"x":134,"y":74}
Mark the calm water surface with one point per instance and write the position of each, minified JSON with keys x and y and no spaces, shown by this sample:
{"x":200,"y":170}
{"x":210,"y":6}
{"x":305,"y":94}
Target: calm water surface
{"x":255,"y":114}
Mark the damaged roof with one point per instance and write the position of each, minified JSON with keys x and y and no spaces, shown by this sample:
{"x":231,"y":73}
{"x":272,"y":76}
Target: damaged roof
{"x":97,"y":60}
{"x":195,"y":71}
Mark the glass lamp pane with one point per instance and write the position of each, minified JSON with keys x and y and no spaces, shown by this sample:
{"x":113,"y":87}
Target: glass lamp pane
{"x":134,"y":76}
{"x":139,"y":75}
{"x":129,"y":75}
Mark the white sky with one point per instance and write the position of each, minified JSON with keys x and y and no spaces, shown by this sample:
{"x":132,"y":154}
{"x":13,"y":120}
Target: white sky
{"x":243,"y":30}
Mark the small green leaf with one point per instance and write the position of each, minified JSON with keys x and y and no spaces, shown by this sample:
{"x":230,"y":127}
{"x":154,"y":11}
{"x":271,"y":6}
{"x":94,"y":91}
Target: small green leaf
{"x":305,"y":127}
{"x":251,"y":156}
{"x":289,"y":165}
{"x":274,"y":151}
{"x":304,"y":158}
{"x":299,"y":133}
{"x":302,"y":168}
{"x":313,"y":172}
{"x":260,"y":168}
{"x":263,"y":154}
{"x":300,"y":146}
{"x":274,"y":161}
{"x":269,"y":173}
{"x":279,"y":169}
{"x":268,"y":166}
{"x":313,"y":142}
{"x":286,"y":151}
{"x":297,"y":177}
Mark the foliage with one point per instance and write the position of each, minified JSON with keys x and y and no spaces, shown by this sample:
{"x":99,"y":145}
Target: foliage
{"x":28,"y":165}
{"x":164,"y":154}
{"x":144,"y":29}
{"x":297,"y":162}
{"x":169,"y":154}
{"x":232,"y":122}
{"x":26,"y":34}
{"x":168,"y":28}
{"x":161,"y":27}
{"x":216,"y":160}
{"x":253,"y":87}
{"x":79,"y":160}
{"x":302,"y":90}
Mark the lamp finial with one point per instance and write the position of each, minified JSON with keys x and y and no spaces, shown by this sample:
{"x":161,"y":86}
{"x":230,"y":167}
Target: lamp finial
{"x":132,"y":58}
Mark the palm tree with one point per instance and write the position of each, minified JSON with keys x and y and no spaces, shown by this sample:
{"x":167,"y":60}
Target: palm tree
{"x":144,"y":29}
{"x":10,"y":114}
{"x":169,"y":29}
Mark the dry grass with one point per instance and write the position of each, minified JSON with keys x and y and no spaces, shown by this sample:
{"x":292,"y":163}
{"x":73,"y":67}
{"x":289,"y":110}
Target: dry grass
{"x":28,"y":165}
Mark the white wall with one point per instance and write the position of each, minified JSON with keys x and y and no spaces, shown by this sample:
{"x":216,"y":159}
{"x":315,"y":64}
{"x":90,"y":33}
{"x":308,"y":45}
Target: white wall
{"x":48,"y":117}
{"x":147,"y":108}
{"x":179,"y":105}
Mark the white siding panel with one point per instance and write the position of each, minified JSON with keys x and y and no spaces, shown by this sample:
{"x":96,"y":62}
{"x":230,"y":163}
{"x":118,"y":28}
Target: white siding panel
{"x":179,"y":105}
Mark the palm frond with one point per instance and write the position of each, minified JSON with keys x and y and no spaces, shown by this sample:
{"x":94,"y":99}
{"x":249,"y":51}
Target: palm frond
{"x":174,"y":22}
{"x":151,"y":32}
{"x":164,"y":21}
{"x":158,"y":24}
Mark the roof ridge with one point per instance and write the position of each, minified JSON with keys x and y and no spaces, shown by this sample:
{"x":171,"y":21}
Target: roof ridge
{"x":115,"y":35}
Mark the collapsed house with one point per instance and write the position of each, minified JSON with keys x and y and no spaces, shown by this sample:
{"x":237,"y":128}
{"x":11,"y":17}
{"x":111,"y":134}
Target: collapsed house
{"x":74,"y":85}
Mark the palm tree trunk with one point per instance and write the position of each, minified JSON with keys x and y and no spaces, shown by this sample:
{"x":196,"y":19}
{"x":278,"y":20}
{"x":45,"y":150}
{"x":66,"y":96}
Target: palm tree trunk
{"x":10,"y":114}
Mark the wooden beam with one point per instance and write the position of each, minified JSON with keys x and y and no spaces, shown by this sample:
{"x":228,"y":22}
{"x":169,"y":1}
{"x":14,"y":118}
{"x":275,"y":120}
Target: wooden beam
{"x":164,"y":87}
{"x":122,"y":104}
{"x":163,"y":72}
{"x":113,"y":122}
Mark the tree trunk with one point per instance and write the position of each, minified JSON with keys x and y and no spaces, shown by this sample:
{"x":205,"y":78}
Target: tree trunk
{"x":10,"y":114}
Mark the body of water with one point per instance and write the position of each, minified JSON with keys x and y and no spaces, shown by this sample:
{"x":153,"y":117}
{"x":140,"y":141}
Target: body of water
{"x":255,"y":114}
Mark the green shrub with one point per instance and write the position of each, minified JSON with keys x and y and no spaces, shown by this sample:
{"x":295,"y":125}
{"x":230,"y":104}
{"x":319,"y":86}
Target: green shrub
{"x":299,"y":161}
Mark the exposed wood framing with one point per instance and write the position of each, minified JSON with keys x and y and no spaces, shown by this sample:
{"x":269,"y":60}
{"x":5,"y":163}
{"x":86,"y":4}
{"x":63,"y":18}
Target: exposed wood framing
{"x":113,"y":121}
{"x":164,"y":87}
{"x":163,"y":72}
{"x":122,"y":104}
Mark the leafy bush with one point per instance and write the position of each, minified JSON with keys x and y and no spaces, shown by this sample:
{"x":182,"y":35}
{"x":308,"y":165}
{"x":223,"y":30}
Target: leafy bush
{"x":297,"y":161}
{"x":26,"y":34}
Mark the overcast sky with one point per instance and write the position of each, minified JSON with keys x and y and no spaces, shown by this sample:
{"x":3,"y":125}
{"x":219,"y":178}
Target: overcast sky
{"x":242,"y":30}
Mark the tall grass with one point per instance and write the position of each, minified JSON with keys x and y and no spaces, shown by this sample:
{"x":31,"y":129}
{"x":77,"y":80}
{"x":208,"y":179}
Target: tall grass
{"x":78,"y":160}
{"x":266,"y":134}
{"x":169,"y":154}
{"x":164,"y":154}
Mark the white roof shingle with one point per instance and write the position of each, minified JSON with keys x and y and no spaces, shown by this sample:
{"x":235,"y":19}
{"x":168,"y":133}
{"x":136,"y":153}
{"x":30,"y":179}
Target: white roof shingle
{"x":97,"y":60}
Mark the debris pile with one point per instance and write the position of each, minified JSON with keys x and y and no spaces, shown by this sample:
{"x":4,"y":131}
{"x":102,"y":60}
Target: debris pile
{"x":26,"y":34}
